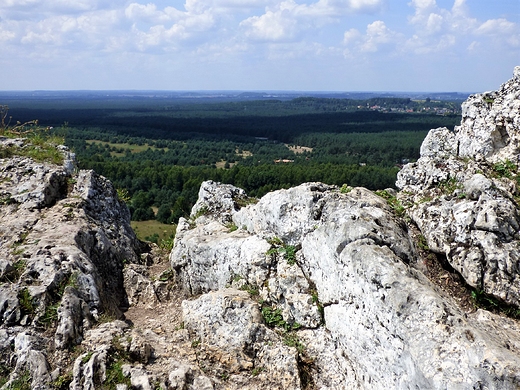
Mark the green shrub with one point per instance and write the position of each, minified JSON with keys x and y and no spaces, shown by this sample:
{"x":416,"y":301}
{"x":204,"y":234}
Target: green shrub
{"x":26,"y":301}
{"x":392,"y":201}
{"x":23,"y":382}
{"x":291,"y":340}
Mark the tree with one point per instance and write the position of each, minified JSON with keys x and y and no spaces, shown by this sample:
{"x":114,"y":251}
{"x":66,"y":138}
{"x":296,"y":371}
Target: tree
{"x":164,"y":214}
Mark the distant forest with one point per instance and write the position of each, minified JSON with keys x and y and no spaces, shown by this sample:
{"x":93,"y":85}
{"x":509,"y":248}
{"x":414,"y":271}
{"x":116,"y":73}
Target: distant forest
{"x":158,"y":151}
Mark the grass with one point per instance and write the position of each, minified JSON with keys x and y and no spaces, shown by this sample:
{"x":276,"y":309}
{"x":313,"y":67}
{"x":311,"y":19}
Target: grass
{"x":144,"y":229}
{"x":121,"y":149}
{"x":26,"y":301}
{"x":449,"y":186}
{"x":392,"y":201}
{"x":278,"y":247}
{"x":291,"y":340}
{"x":115,"y":376}
{"x":494,"y":305}
{"x":50,"y":316}
{"x":41,"y":146}
{"x":23,"y":382}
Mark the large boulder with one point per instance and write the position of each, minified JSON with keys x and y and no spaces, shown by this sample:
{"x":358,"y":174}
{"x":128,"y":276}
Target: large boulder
{"x":355,"y":263}
{"x":462,"y":192}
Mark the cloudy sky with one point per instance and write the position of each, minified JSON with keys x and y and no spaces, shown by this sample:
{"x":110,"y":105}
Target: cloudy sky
{"x":313,"y":45}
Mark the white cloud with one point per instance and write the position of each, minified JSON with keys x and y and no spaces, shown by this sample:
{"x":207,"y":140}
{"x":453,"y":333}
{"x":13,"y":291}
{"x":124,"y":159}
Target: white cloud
{"x":287,"y":19}
{"x":351,"y":36}
{"x":148,"y":12}
{"x":277,"y":25}
{"x":497,"y":27}
{"x":342,"y":6}
{"x":377,"y":36}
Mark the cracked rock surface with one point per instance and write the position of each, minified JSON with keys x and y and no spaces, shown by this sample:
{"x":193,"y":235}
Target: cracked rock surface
{"x":307,"y":288}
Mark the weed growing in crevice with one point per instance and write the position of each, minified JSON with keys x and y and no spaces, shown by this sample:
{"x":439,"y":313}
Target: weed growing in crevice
{"x":18,"y":268}
{"x":62,"y":382}
{"x":392,"y":201}
{"x":291,"y":339}
{"x":26,"y":302}
{"x":449,"y":186}
{"x":505,"y":169}
{"x":204,"y":210}
{"x":252,"y":290}
{"x":50,"y":315}
{"x":244,"y":201}
{"x":273,"y":318}
{"x":490,"y":303}
{"x":4,"y":374}
{"x":22,"y":382}
{"x":319,"y":305}
{"x":345,"y":189}
{"x":422,"y":243}
{"x":114,"y":376}
{"x":278,"y":247}
{"x":231,"y":227}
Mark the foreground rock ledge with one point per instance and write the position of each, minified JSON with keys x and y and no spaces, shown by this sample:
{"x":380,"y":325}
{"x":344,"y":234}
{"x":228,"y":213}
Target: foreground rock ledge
{"x":393,"y":326}
{"x":307,"y":288}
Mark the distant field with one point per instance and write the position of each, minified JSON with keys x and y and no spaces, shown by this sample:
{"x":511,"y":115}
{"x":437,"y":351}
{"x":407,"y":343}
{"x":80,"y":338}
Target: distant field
{"x":125,"y":146}
{"x":145,"y":229}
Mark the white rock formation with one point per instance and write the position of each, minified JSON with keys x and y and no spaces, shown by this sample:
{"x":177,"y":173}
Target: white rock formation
{"x":462,"y":192}
{"x":391,"y":323}
{"x":307,"y":288}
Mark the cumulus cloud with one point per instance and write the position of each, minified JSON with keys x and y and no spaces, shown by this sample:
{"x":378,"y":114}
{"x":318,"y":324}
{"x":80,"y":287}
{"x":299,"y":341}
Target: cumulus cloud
{"x":242,"y":30}
{"x":286,"y":19}
{"x":377,"y":36}
{"x":274,"y":25}
{"x":496,"y":27}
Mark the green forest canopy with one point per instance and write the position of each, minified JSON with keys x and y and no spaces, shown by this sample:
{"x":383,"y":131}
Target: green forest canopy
{"x":160,"y":153}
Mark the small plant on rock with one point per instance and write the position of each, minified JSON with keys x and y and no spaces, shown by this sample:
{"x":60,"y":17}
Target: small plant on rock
{"x":345,"y":189}
{"x":26,"y":301}
{"x":392,"y":201}
{"x":23,"y":382}
{"x":291,"y":340}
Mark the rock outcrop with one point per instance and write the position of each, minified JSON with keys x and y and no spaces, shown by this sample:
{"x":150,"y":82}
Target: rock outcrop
{"x":313,"y":287}
{"x":348,"y":270}
{"x":462,"y":192}
{"x":64,"y":237}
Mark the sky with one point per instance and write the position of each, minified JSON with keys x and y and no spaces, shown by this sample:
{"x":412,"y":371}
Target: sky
{"x":289,"y":45}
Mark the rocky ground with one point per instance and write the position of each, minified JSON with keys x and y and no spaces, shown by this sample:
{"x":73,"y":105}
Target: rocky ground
{"x":314,"y":287}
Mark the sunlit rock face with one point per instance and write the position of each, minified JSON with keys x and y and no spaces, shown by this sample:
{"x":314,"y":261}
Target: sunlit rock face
{"x":312,"y":287}
{"x":462,"y":192}
{"x":355,"y":257}
{"x":64,"y":236}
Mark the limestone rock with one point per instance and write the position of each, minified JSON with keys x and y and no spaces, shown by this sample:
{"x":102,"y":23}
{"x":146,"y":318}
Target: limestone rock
{"x":63,"y":238}
{"x":289,"y":290}
{"x":219,"y":201}
{"x":228,"y":322}
{"x":393,"y":324}
{"x":208,"y":257}
{"x":139,"y":288}
{"x":73,"y":317}
{"x":285,"y":214}
{"x":385,"y":323}
{"x":461,"y":192}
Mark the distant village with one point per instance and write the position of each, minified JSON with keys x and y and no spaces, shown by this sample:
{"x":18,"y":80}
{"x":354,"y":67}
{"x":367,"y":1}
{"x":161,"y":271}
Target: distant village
{"x":425,"y":109}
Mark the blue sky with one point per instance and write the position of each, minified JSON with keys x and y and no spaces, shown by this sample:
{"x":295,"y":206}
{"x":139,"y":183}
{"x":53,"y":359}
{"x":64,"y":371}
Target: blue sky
{"x":313,"y":45}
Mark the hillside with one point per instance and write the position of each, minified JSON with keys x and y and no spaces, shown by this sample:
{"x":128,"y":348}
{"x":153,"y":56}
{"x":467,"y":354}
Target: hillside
{"x":313,"y":287}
